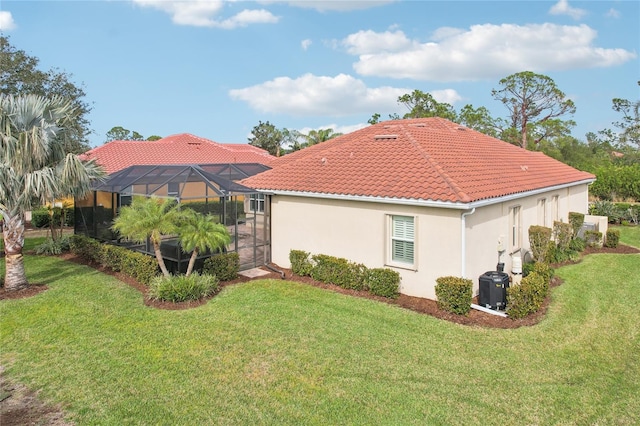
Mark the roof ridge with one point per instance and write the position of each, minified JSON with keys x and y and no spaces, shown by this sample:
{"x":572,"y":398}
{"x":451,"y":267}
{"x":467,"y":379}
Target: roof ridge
{"x":464,"y":197}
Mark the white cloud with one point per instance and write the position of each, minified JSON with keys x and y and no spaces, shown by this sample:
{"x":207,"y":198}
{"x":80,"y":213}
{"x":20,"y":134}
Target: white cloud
{"x":563,"y":8}
{"x":6,"y":21}
{"x":205,"y":13}
{"x":306,"y":44}
{"x":337,"y":5}
{"x":449,"y":96}
{"x":366,"y":42}
{"x":612,"y":13}
{"x":342,"y":95}
{"x":484,"y":52}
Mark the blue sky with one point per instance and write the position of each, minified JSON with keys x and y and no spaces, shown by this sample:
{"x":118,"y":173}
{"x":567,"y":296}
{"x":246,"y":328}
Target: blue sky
{"x":217,"y":68}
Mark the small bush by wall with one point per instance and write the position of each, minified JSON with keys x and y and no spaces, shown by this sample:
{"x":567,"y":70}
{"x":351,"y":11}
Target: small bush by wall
{"x":225,"y":266}
{"x":300,"y":262}
{"x":613,"y":238}
{"x":576,"y":220}
{"x":454,"y":294}
{"x":346,"y":274}
{"x":593,"y":238}
{"x":180,"y":288}
{"x":383,"y":282}
{"x":527,"y":297}
{"x":338,"y":271}
{"x":539,"y":237}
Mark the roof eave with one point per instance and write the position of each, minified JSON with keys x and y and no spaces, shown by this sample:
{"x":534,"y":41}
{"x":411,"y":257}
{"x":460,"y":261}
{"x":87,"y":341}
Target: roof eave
{"x":428,"y":203}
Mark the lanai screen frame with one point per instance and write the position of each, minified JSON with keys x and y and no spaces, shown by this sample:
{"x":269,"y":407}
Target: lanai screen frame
{"x":218,"y":193}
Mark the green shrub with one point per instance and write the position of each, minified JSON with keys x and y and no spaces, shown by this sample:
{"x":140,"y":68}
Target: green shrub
{"x":383,"y":282}
{"x":225,"y":266}
{"x":454,"y":294}
{"x":139,"y":266}
{"x":605,"y":208}
{"x":180,"y":288}
{"x":527,"y":297}
{"x":544,"y":270}
{"x":42,"y":216}
{"x":527,"y":268}
{"x":300,"y":263}
{"x":577,"y":244}
{"x":53,"y":247}
{"x":562,"y":234}
{"x":613,"y":238}
{"x":539,"y":237}
{"x":576,"y":220}
{"x":338,"y":271}
{"x":593,"y":238}
{"x":142,"y":267}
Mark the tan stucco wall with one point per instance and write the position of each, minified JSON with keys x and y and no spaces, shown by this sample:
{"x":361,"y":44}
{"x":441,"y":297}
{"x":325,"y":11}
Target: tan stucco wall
{"x":358,"y":231}
{"x":488,"y":224}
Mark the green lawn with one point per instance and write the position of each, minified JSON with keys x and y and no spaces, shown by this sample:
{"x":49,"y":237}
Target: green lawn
{"x":629,"y":235}
{"x":282,"y":353}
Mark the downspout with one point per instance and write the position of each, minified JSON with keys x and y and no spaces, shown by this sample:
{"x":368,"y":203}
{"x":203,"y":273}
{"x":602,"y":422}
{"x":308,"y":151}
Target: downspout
{"x":463,"y":236}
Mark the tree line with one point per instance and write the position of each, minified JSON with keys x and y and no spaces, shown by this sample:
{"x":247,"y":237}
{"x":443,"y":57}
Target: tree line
{"x":539,"y":117}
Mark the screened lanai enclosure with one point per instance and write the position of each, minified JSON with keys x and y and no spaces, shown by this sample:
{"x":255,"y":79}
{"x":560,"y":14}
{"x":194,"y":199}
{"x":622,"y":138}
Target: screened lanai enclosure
{"x":206,"y":188}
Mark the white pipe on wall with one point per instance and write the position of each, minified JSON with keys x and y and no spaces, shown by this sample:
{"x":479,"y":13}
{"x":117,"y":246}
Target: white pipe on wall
{"x":463,"y":236}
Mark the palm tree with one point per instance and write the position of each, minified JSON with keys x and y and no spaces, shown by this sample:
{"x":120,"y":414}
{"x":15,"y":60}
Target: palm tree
{"x":149,"y":218}
{"x":321,"y":135}
{"x":34,"y":169}
{"x":201,"y":233}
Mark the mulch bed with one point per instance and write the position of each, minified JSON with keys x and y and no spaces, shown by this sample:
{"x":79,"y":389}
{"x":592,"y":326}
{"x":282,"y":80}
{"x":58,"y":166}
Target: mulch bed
{"x":417,"y":304}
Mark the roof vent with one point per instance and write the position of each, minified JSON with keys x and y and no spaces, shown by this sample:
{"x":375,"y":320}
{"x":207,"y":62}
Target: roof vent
{"x":382,"y":137}
{"x":524,"y":168}
{"x":461,"y":128}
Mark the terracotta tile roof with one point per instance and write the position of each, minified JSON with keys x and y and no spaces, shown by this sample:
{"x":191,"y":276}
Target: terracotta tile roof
{"x":420,"y":159}
{"x":183,"y":148}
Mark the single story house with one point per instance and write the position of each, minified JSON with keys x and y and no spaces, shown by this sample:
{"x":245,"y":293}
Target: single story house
{"x":426,"y":197}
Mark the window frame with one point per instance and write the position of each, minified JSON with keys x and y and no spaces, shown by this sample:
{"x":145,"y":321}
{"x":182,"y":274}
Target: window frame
{"x":555,"y":208}
{"x":542,"y":211}
{"x":515,"y":227}
{"x":256,"y":200}
{"x":407,"y":238}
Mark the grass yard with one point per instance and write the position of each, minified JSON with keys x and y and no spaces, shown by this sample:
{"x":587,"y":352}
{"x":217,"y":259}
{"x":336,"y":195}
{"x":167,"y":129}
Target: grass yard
{"x":629,"y":235}
{"x":282,"y":353}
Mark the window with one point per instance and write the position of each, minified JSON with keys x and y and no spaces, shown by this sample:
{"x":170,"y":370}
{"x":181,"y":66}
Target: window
{"x":402,"y":240}
{"x":256,"y":202}
{"x":516,"y":228}
{"x":173,"y":188}
{"x":542,"y":212}
{"x":554,"y":208}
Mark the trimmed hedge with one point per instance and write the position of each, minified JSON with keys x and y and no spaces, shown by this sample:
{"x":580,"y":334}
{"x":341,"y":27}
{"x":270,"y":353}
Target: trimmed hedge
{"x":383,"y":282}
{"x":454,"y":294}
{"x":180,"y":288}
{"x":225,"y":266}
{"x":338,"y":271}
{"x":593,"y":238}
{"x":143,"y":268}
{"x":527,"y":297}
{"x":539,"y":237}
{"x":41,"y":218}
{"x":343,"y":273}
{"x":613,"y":238}
{"x":300,"y":263}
